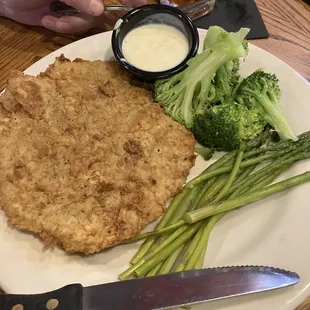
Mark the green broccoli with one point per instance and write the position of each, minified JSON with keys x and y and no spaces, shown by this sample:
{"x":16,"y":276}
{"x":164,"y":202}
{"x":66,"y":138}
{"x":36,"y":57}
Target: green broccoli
{"x":188,"y":92}
{"x":205,"y":152}
{"x":226,"y":125}
{"x":261,"y":88}
{"x":226,"y":78}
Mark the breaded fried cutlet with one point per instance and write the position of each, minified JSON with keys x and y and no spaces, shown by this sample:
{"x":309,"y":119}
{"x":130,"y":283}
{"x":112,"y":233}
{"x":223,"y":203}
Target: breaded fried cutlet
{"x":87,"y":158}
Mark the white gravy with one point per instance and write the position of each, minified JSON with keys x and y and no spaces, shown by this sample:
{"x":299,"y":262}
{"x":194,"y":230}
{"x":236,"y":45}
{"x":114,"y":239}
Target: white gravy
{"x":155,"y":47}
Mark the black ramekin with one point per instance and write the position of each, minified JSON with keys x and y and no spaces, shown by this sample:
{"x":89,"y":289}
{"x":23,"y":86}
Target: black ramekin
{"x":154,"y":13}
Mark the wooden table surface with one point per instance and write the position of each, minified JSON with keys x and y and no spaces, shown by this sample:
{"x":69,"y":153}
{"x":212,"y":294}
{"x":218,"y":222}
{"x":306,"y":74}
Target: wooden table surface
{"x":288,"y":22}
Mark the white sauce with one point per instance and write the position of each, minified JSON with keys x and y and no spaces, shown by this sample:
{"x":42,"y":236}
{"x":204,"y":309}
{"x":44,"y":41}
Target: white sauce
{"x":155,"y":47}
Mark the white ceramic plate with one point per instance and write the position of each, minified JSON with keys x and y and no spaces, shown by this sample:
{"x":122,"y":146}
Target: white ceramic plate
{"x":272,"y":232}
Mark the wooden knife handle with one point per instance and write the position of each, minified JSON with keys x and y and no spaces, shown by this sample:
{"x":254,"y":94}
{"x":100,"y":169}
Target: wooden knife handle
{"x":67,"y":298}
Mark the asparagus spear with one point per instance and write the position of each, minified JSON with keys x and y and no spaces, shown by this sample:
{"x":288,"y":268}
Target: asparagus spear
{"x":174,"y":220}
{"x":286,"y":160}
{"x":200,"y":249}
{"x":228,"y":205}
{"x":212,"y":190}
{"x":232,"y":176}
{"x":164,"y":253}
{"x":246,"y":163}
{"x":162,"y":223}
{"x":203,"y":242}
{"x":155,"y":260}
{"x":200,"y":245}
{"x":200,"y":262}
{"x":266,"y":180}
{"x":154,"y":271}
{"x":170,"y":261}
{"x":302,"y":143}
{"x":190,"y":250}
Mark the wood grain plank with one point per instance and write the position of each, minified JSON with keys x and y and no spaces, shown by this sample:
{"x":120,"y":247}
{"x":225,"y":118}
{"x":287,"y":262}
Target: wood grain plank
{"x":288,"y":22}
{"x":21,"y":46}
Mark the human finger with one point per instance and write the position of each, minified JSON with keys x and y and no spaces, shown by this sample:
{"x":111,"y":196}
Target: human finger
{"x":69,"y":24}
{"x":92,"y":7}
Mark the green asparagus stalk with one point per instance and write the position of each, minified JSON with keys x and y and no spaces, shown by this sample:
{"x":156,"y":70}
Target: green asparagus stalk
{"x":255,"y":184}
{"x":158,"y":232}
{"x":267,"y":180}
{"x":175,"y":236}
{"x":211,"y":191}
{"x":188,"y":204}
{"x":234,"y":173}
{"x":285,"y":160}
{"x":244,"y":174}
{"x":203,"y":241}
{"x":228,"y":205}
{"x":131,"y":270}
{"x":200,"y":262}
{"x":281,"y":145}
{"x":166,"y":252}
{"x":167,"y":241}
{"x":226,"y":159}
{"x":183,"y":202}
{"x":162,"y":223}
{"x":190,"y":250}
{"x":259,"y":140}
{"x":229,"y":158}
{"x":241,"y":187}
{"x":154,"y":271}
{"x":170,"y":261}
{"x":303,"y":144}
{"x":246,"y":163}
{"x":211,"y":223}
{"x":200,"y":245}
{"x":197,"y":259}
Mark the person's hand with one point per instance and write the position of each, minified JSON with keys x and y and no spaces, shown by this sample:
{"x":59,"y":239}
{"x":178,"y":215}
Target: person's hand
{"x":37,"y":13}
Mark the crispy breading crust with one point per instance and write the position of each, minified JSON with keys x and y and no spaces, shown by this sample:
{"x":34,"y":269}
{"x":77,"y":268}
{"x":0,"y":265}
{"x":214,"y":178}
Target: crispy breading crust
{"x":87,"y":159}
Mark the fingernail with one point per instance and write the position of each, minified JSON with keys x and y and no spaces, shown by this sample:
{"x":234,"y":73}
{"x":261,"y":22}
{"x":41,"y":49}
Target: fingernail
{"x":95,"y":7}
{"x":64,"y":26}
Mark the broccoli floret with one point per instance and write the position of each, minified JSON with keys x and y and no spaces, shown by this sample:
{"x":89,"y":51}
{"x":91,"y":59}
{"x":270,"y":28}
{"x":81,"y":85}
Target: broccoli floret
{"x":187,"y":93}
{"x":226,"y":77}
{"x":215,"y":34}
{"x":235,"y":67}
{"x":261,"y":88}
{"x":226,"y":125}
{"x":226,"y":80}
{"x":205,"y":152}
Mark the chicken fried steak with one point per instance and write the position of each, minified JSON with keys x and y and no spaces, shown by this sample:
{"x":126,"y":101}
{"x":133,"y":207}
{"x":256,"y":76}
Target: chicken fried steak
{"x":87,"y":157}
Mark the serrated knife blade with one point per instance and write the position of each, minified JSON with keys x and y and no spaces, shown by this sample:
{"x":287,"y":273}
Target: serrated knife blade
{"x":160,"y":292}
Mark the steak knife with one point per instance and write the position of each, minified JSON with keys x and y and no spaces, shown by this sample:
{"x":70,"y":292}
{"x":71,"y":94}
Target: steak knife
{"x":159,"y":292}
